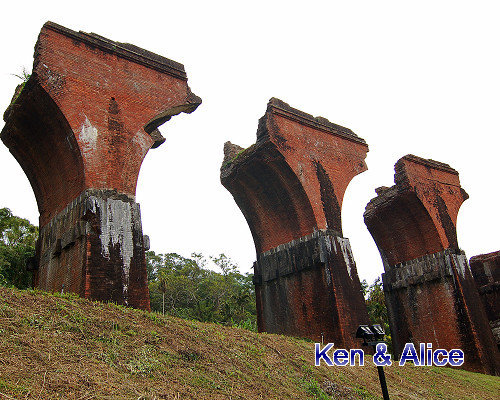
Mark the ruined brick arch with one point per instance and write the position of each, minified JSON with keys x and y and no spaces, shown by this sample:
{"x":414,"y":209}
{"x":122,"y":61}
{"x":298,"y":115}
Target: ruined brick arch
{"x":47,"y":150}
{"x":289,"y":186}
{"x":281,"y":212}
{"x":80,"y":128}
{"x":405,"y":231}
{"x":429,"y":290}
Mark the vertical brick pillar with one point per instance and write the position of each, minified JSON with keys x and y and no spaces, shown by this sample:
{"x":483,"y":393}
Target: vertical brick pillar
{"x":486,"y":272}
{"x":429,"y":290}
{"x":289,"y":186}
{"x":80,"y":128}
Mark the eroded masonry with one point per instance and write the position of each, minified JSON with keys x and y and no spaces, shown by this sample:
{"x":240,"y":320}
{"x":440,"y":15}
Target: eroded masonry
{"x":290,"y":185}
{"x":80,"y":128}
{"x":429,"y":290}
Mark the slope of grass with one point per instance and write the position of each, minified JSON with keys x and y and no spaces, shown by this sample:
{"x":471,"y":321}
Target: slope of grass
{"x":64,"y":347}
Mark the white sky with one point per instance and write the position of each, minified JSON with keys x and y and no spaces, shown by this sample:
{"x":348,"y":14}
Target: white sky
{"x":408,"y":77}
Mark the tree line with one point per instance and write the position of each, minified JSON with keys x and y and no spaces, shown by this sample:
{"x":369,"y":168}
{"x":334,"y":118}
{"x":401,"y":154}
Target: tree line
{"x":17,"y":244}
{"x":187,"y":288}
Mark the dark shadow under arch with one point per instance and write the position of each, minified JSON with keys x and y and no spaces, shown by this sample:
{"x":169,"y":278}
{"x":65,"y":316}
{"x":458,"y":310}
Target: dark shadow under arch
{"x":272,"y":199}
{"x":43,"y":143}
{"x":403,"y":230}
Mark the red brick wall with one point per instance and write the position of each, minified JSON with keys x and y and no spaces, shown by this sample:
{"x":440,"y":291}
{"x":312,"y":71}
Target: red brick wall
{"x":417,"y":216}
{"x":80,"y":129}
{"x":293,"y":180}
{"x":429,"y":289}
{"x":290,"y":186}
{"x":107,"y":98}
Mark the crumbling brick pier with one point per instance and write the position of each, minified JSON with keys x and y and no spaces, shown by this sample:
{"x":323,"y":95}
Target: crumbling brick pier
{"x":290,"y":185}
{"x":80,"y":128}
{"x":429,"y":290}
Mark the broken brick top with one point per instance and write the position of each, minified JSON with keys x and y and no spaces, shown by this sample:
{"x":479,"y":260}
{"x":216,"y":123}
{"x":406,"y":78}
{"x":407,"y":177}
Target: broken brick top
{"x":279,"y":108}
{"x":292,"y":181}
{"x":88,"y":114}
{"x":418,"y":215}
{"x":122,"y":50}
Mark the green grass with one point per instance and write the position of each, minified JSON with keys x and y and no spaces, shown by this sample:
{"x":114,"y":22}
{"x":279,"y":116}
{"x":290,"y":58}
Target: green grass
{"x":56,"y":346}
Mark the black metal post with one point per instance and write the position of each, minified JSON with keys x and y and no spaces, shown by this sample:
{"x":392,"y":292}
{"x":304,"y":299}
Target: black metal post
{"x":372,"y":336}
{"x":383,"y":384}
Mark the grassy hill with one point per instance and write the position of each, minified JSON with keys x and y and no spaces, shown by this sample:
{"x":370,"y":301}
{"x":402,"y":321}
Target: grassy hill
{"x":61,"y":346}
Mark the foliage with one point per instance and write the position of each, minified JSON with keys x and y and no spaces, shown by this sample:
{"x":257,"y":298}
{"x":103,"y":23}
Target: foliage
{"x":186,"y":288}
{"x":377,"y":310}
{"x":17,"y":244}
{"x":25,"y":75}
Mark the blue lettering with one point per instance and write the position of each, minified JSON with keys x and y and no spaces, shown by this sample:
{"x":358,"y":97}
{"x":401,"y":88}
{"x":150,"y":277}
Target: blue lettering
{"x":340,"y":357}
{"x":429,"y":354}
{"x":443,"y":361}
{"x":456,"y":357}
{"x":380,"y":358}
{"x":322,"y":354}
{"x":361,"y":354}
{"x":409,"y":354}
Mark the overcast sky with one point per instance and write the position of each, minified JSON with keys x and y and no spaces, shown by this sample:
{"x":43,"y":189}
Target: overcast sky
{"x":408,"y":77}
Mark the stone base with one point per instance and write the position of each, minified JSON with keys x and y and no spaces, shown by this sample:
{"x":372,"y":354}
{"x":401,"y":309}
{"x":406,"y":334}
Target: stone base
{"x":310,"y":288}
{"x":95,"y":248}
{"x":433,"y":299}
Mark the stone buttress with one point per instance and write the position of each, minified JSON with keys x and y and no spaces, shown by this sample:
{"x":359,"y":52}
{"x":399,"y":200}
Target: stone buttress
{"x":289,"y":185}
{"x":429,"y":290}
{"x":80,"y":128}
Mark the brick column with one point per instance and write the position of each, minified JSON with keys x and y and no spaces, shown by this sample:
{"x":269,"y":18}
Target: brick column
{"x":486,"y":272}
{"x":289,"y":186}
{"x":80,"y":128}
{"x":429,"y":290}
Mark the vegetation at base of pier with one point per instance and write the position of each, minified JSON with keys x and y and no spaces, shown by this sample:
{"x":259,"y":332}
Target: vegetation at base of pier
{"x":180,"y":286}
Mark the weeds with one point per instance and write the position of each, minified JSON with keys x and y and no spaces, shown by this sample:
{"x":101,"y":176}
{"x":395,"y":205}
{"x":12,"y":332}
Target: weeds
{"x":129,"y":352}
{"x":144,"y":363}
{"x":313,"y":389}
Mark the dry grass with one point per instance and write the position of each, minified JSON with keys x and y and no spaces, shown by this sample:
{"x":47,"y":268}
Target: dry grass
{"x":64,"y":347}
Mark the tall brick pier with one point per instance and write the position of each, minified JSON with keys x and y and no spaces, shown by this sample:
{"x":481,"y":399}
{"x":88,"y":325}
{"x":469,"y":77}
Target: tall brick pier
{"x":80,"y":128}
{"x":290,"y":185}
{"x":429,"y":289}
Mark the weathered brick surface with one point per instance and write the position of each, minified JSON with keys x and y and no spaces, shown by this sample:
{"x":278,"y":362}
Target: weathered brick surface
{"x":83,"y":123}
{"x":429,"y":289}
{"x":486,"y":272}
{"x":290,"y":186}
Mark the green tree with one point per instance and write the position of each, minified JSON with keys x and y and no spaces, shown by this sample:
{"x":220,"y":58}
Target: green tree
{"x":185,"y":287}
{"x":377,"y":310}
{"x":17,"y":244}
